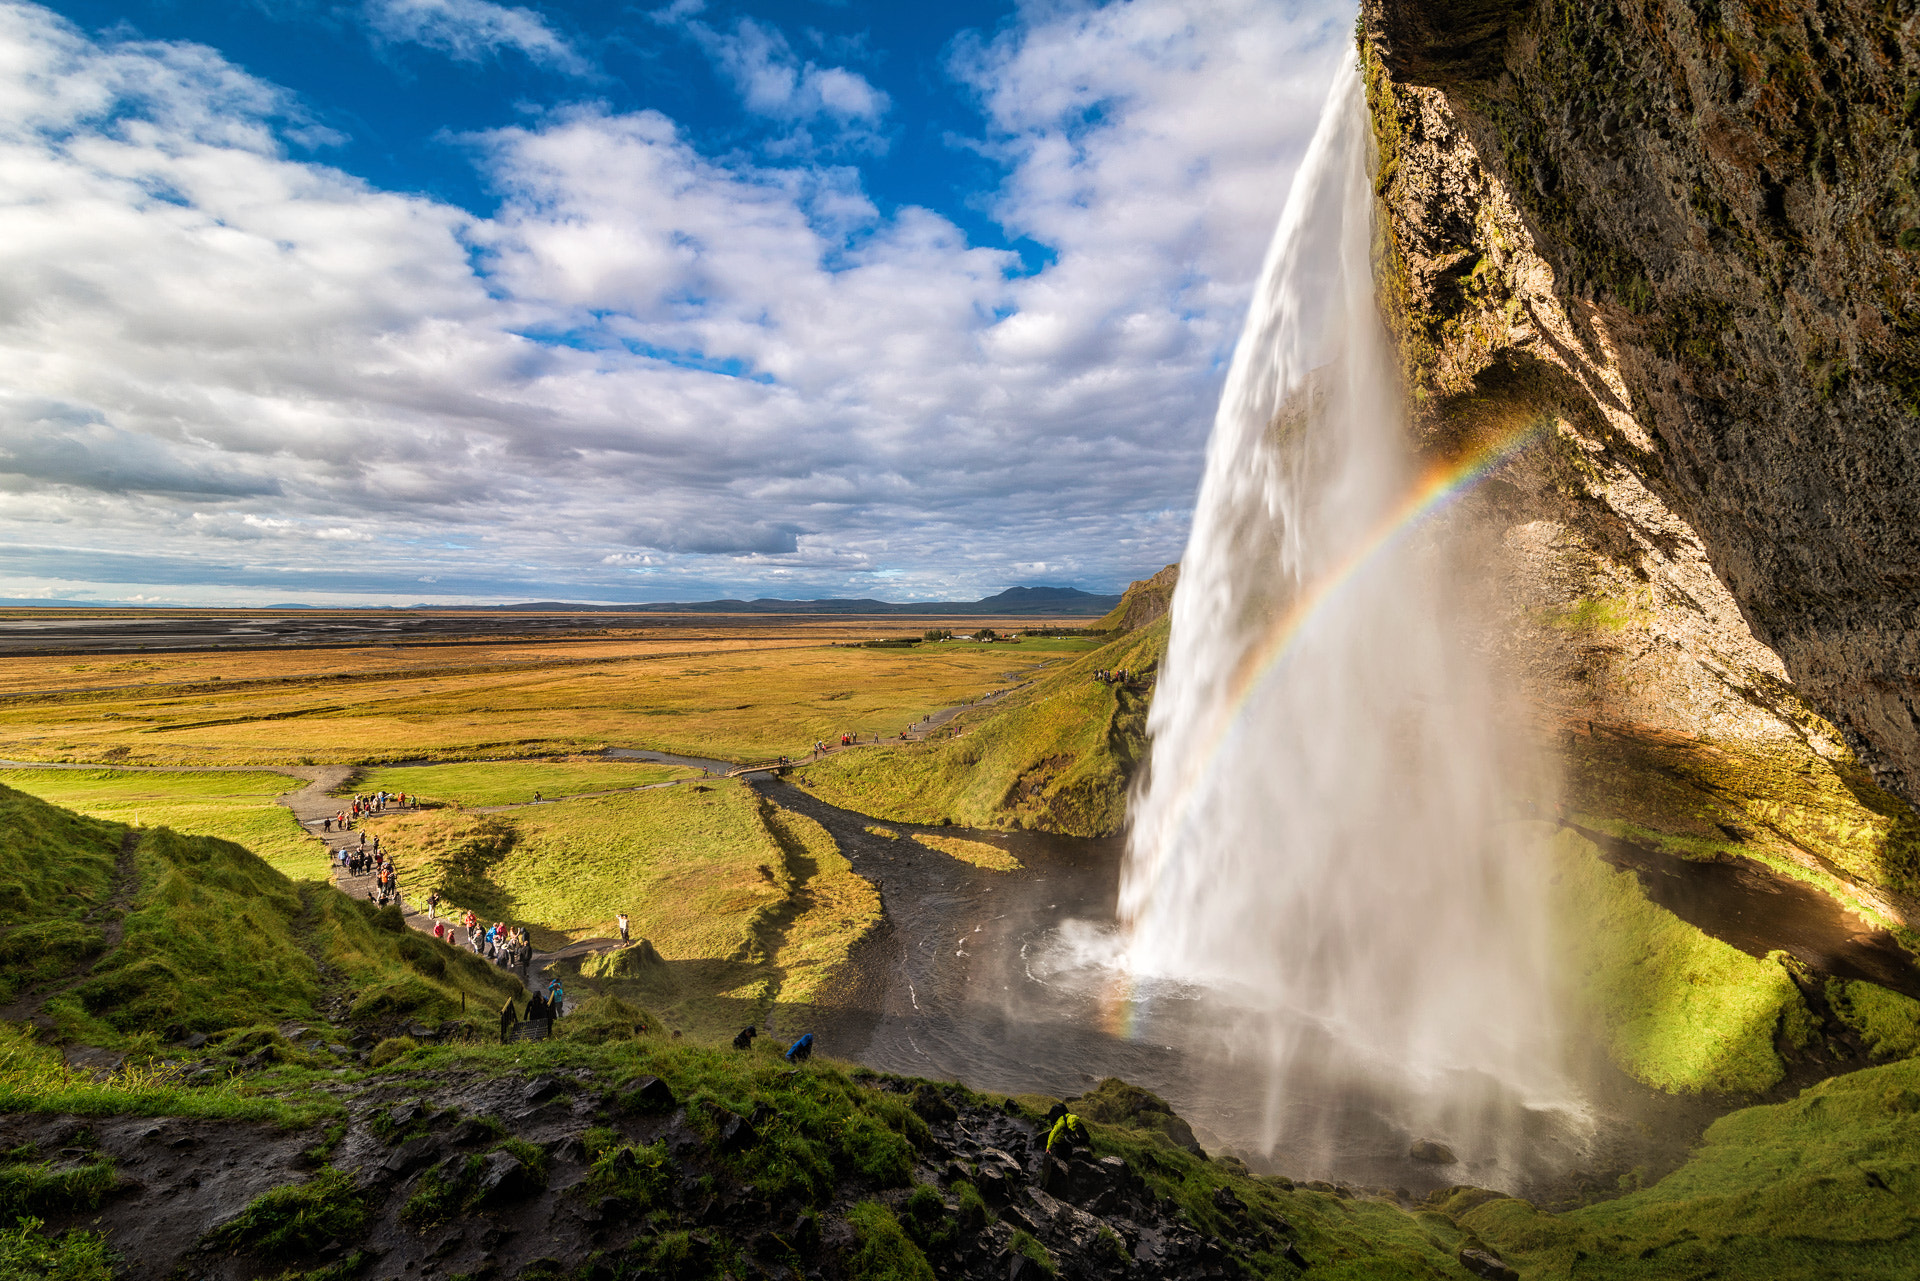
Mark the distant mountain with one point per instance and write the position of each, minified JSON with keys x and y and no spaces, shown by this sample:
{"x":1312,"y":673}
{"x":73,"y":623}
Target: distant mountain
{"x":1051,"y":601}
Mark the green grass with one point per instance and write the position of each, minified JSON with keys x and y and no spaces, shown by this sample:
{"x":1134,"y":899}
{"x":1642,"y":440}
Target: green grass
{"x":26,"y":1255}
{"x":1887,"y":1022}
{"x":215,"y":938}
{"x":978,"y":853}
{"x":1676,"y":1008}
{"x":513,"y":782}
{"x":883,"y":1251}
{"x":1825,"y":1185}
{"x":1055,"y":756}
{"x":237,"y":807}
{"x":742,"y":902}
{"x":56,"y":869}
{"x":34,"y":1079}
{"x":287,"y":1222}
{"x":682,"y":862}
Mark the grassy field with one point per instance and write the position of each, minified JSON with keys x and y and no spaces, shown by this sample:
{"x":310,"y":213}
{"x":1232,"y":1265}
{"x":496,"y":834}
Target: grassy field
{"x":237,"y":807}
{"x":728,"y":891}
{"x":731,"y":700}
{"x":514,"y":782}
{"x":1056,"y":755}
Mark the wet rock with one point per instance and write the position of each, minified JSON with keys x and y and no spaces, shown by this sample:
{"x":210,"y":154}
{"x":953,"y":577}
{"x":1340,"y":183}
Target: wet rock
{"x":1228,"y":1204}
{"x":421,"y":1032}
{"x":471,"y":1131}
{"x":402,"y":1115}
{"x":1292,"y":1255}
{"x":408,"y":1157}
{"x":993,"y":1184}
{"x":650,"y":1094}
{"x":196,"y":1041}
{"x":1432,"y":1152}
{"x":502,"y":1177}
{"x":736,"y":1133}
{"x":1484,"y":1264}
{"x":1021,"y":1268}
{"x":540,"y":1090}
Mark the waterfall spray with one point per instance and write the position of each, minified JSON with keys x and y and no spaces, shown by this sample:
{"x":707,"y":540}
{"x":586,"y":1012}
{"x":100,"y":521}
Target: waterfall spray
{"x":1326,"y":842}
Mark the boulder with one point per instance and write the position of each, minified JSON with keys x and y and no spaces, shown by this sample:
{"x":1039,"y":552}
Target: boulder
{"x":408,"y":1157}
{"x":1432,"y":1152}
{"x":650,"y":1094}
{"x":736,"y":1133}
{"x":402,"y":1115}
{"x":1483,"y":1263}
{"x":504,"y":1176}
{"x":540,"y":1089}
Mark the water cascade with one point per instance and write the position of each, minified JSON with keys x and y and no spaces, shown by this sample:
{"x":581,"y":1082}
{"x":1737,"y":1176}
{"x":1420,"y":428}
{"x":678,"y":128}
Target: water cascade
{"x":1330,"y":851}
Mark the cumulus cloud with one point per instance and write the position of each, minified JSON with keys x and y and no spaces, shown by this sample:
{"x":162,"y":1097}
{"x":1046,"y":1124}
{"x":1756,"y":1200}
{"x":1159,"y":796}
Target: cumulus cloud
{"x":776,"y":83}
{"x":653,"y":373}
{"x":472,"y":30}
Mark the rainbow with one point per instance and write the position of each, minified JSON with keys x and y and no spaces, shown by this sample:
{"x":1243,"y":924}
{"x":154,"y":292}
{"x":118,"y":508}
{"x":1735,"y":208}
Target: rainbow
{"x":1436,"y":491}
{"x":1440,"y":488}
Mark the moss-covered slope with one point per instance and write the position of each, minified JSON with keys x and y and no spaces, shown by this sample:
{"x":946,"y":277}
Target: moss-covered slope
{"x":1056,"y":756}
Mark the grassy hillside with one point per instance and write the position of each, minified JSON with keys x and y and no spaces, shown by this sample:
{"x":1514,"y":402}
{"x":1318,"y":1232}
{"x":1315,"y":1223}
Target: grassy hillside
{"x":237,"y":807}
{"x":739,"y":902}
{"x":1056,"y":756}
{"x":1825,"y":1185}
{"x":209,"y":937}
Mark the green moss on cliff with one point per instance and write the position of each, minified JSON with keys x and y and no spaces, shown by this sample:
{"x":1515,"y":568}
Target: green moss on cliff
{"x":1676,"y":1009}
{"x":1826,"y":1185}
{"x":1822,"y":821}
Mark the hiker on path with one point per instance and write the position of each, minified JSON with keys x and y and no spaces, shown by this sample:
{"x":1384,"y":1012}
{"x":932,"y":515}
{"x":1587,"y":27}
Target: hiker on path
{"x":801,"y":1050}
{"x":556,"y":998}
{"x":507,"y":1020}
{"x":537,"y":1008}
{"x":623,"y":927}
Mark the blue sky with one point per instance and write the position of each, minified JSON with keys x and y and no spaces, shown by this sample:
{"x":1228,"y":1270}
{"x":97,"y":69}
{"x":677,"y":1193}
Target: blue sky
{"x":450,"y":300}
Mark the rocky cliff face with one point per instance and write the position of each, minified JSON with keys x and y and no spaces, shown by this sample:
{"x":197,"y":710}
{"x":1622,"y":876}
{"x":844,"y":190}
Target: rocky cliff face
{"x":1677,"y":241}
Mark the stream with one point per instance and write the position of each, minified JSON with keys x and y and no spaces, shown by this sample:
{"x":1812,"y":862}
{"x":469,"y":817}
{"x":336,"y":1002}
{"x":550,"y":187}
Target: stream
{"x":981,"y":976}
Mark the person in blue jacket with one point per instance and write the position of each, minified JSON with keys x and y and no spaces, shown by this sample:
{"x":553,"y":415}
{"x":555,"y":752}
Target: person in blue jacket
{"x":801,"y":1050}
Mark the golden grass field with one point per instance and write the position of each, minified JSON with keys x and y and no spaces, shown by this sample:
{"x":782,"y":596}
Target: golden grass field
{"x":751,"y":909}
{"x":735,"y":694}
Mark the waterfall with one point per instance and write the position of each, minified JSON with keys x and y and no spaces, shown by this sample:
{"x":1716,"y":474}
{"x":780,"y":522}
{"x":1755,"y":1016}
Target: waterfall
{"x":1330,"y":840}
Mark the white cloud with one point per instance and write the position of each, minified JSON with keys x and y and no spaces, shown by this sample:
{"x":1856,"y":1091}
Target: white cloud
{"x":668,"y":371}
{"x":776,"y":83}
{"x":472,"y":30}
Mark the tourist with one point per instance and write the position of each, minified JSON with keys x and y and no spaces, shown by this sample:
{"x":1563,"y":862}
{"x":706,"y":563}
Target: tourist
{"x":507,"y":1020}
{"x":556,"y":998}
{"x":433,"y":905}
{"x":801,"y":1050}
{"x":623,"y":927}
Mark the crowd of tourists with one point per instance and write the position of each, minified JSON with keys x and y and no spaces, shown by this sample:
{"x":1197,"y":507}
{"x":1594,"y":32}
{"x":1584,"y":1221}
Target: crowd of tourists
{"x":1112,"y":676}
{"x":374,"y":803}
